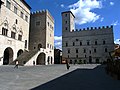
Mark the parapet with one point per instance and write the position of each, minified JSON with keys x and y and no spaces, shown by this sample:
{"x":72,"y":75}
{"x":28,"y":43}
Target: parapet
{"x":39,"y":12}
{"x":95,"y":28}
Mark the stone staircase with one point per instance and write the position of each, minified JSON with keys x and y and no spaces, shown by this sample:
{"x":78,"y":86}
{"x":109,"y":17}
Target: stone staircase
{"x":25,"y":57}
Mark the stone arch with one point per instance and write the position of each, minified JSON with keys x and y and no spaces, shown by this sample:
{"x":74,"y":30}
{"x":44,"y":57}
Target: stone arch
{"x":8,"y":56}
{"x":39,"y":46}
{"x":41,"y":59}
{"x":19,"y":52}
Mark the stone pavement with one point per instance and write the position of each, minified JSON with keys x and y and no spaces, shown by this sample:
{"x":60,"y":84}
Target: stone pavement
{"x":56,"y":77}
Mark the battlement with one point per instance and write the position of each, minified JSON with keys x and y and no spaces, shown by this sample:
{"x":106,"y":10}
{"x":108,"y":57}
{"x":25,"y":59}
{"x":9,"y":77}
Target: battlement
{"x":94,"y":28}
{"x":39,"y":12}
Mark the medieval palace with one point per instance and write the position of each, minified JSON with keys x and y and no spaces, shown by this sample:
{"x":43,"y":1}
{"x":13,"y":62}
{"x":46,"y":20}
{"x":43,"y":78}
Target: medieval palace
{"x":90,"y":45}
{"x":29,"y":37}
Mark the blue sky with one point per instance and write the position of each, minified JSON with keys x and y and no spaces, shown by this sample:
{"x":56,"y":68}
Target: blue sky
{"x":88,"y":13}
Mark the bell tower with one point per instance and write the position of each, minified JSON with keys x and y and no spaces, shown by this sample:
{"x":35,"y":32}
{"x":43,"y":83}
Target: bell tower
{"x":68,"y":24}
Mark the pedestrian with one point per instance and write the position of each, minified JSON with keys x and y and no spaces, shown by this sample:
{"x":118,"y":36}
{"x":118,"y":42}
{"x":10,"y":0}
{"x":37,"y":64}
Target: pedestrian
{"x":67,"y":65}
{"x":34,"y":63}
{"x":16,"y":64}
{"x":75,"y":61}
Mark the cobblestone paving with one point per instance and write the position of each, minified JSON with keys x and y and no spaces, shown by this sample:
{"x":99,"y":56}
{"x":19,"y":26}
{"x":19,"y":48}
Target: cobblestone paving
{"x":28,"y":77}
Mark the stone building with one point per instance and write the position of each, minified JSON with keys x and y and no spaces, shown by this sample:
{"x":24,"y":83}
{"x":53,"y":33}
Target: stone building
{"x":90,"y":45}
{"x":42,"y":36}
{"x":14,"y":29}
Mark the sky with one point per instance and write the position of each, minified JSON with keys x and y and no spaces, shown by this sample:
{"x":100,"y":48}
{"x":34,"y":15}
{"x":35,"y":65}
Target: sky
{"x":88,"y":13}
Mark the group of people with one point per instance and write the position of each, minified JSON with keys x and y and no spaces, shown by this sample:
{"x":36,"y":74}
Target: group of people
{"x":67,"y":64}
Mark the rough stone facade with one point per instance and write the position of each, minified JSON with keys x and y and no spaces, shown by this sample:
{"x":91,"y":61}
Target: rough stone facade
{"x":42,"y":36}
{"x":90,"y":45}
{"x":14,"y":29}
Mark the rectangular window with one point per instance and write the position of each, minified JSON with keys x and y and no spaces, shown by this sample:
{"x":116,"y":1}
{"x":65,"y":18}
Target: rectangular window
{"x":25,"y":43}
{"x":88,"y":43}
{"x":65,"y":15}
{"x":76,"y":50}
{"x":4,"y":31}
{"x":20,"y":37}
{"x":95,"y":50}
{"x":21,"y":15}
{"x":13,"y":35}
{"x":66,"y":44}
{"x":66,"y":22}
{"x":76,"y":56}
{"x":66,"y":28}
{"x":84,"y":50}
{"x":37,"y":23}
{"x":48,"y":23}
{"x":68,"y":50}
{"x":104,"y":42}
{"x":106,"y":50}
{"x":8,"y":4}
{"x":68,"y":56}
{"x":73,"y":43}
{"x":26,"y":18}
{"x":95,"y":42}
{"x":15,"y":10}
{"x":80,"y":43}
{"x":90,"y":51}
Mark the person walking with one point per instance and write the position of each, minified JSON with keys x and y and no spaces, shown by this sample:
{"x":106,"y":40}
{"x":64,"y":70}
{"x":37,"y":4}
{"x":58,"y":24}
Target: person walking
{"x":67,"y":65}
{"x":16,"y":64}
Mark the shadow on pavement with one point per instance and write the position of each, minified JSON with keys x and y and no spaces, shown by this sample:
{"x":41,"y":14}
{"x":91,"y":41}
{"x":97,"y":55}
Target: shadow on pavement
{"x":82,"y":79}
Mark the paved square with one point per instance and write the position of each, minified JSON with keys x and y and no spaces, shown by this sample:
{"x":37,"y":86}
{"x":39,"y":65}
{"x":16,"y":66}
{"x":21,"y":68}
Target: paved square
{"x":56,"y":77}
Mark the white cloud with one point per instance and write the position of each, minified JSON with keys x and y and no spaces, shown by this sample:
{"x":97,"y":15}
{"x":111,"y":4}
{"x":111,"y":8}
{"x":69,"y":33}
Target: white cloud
{"x":111,"y":3}
{"x":58,"y":42}
{"x":117,"y":41}
{"x":115,"y":23}
{"x":101,"y":19}
{"x":62,"y":5}
{"x":82,"y":11}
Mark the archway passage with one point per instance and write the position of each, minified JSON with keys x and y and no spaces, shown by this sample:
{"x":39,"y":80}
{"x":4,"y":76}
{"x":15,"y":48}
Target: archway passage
{"x":8,"y":56}
{"x":19,"y":52}
{"x":41,"y":59}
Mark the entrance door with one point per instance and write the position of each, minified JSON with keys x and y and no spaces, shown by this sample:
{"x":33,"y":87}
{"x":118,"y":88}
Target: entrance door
{"x":90,"y":59}
{"x":8,"y":56}
{"x":41,"y":59}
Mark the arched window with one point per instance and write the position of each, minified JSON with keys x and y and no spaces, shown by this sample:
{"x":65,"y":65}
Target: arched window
{"x":4,"y":31}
